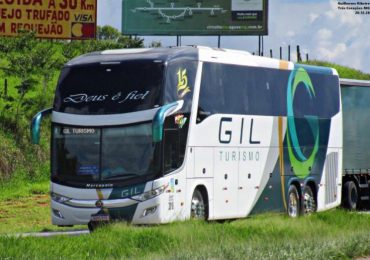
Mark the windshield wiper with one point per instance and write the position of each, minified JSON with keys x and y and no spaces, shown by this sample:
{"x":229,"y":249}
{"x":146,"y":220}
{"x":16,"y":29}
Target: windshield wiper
{"x":130,"y":175}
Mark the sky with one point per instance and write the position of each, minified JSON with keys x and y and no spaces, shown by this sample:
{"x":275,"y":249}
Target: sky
{"x":321,"y":30}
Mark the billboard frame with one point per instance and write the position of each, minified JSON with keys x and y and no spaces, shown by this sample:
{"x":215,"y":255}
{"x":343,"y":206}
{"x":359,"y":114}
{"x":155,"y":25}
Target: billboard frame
{"x":264,"y":32}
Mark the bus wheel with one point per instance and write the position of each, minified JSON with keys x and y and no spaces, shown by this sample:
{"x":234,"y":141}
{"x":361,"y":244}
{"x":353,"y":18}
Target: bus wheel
{"x":350,"y":195}
{"x":293,"y":202}
{"x":198,"y":208}
{"x":309,"y":202}
{"x":92,"y":226}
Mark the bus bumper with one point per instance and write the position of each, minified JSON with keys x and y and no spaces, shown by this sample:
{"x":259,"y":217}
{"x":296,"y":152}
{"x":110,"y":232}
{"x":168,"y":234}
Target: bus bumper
{"x":64,"y":215}
{"x":146,"y":212}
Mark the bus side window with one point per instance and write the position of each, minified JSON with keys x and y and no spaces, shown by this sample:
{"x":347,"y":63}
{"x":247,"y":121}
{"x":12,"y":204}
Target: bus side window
{"x":201,"y":115}
{"x":171,"y":147}
{"x":211,"y":96}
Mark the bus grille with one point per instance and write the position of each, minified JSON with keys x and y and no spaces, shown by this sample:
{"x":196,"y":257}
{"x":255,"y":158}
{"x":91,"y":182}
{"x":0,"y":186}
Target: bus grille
{"x":331,"y":175}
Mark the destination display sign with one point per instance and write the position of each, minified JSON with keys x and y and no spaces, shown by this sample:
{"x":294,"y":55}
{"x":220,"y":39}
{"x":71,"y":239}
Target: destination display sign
{"x":53,"y":19}
{"x":194,"y":17}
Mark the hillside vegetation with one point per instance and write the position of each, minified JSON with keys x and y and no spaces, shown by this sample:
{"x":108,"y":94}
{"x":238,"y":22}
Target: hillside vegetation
{"x":344,"y":72}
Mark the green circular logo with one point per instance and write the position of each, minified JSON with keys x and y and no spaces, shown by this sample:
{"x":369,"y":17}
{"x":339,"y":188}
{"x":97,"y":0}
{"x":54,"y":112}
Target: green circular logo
{"x":301,"y":164}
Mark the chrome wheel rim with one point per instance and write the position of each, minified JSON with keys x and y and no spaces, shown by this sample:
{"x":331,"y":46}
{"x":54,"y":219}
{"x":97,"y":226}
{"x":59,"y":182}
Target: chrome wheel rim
{"x":293,"y":209}
{"x":197,"y":206}
{"x":354,"y":197}
{"x":309,"y":203}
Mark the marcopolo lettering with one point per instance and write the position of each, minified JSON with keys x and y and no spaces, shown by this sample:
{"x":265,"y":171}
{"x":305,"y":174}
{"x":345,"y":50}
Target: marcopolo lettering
{"x":225,"y":133}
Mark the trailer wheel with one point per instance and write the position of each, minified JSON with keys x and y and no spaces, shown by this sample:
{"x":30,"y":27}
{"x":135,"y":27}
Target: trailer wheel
{"x":309,"y":202}
{"x":293,"y":202}
{"x":198,"y":206}
{"x":350,"y":195}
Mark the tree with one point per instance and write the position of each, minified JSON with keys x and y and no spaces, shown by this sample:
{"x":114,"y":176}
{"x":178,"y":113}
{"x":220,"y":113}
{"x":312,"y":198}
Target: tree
{"x":20,"y":63}
{"x":107,"y":33}
{"x":26,"y":59}
{"x":155,"y":44}
{"x":47,"y":63}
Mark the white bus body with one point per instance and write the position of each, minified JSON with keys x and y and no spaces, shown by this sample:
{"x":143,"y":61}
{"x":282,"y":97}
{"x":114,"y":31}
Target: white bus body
{"x":245,"y":134}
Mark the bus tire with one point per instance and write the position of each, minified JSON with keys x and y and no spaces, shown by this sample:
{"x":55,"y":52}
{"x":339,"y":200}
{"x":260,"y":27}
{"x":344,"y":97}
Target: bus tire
{"x":92,"y":226}
{"x":309,"y":201}
{"x":293,"y":202}
{"x":198,"y":206}
{"x":350,"y":195}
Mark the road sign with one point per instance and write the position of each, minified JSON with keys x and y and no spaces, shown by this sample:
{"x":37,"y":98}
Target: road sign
{"x":54,"y":19}
{"x":195,"y":17}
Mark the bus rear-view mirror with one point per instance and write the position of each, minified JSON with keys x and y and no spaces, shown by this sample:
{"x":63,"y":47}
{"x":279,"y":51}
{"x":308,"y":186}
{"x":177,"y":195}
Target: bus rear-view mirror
{"x":161,"y":115}
{"x":36,"y":124}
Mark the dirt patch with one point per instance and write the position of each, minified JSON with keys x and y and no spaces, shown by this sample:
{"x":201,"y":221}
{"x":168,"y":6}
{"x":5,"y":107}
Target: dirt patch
{"x":43,"y":204}
{"x":3,"y":212}
{"x":40,"y":196}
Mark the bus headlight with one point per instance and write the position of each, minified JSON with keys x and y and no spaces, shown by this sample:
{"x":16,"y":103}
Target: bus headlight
{"x":59,"y":198}
{"x":150,"y":194}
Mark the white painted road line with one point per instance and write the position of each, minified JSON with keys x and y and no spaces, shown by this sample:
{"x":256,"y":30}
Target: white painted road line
{"x":52,"y":234}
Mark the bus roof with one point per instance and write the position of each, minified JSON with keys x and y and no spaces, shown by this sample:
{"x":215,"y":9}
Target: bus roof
{"x":206,"y":54}
{"x":112,"y":56}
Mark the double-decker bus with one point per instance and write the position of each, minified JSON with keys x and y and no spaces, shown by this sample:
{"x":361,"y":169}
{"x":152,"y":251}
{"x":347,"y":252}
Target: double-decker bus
{"x":157,"y":135}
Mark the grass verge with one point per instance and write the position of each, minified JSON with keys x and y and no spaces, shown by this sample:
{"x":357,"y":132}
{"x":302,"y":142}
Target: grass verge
{"x":332,"y":234}
{"x":26,"y":208}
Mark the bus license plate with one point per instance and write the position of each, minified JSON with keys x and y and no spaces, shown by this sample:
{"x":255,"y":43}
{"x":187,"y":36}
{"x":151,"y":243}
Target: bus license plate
{"x":100,"y":218}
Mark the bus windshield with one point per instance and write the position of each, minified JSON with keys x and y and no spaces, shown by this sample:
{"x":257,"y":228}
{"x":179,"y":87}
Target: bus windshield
{"x":102,"y":154}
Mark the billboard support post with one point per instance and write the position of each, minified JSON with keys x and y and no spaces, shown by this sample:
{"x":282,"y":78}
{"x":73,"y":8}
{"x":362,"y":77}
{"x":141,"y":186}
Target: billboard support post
{"x":281,"y":53}
{"x":178,"y":40}
{"x":263,"y":45}
{"x":259,"y":45}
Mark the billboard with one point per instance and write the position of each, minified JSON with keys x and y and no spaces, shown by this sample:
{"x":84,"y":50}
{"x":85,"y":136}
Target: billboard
{"x":52,"y":19}
{"x":195,"y":17}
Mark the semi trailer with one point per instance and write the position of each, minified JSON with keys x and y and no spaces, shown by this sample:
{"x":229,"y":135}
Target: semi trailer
{"x":356,"y":143}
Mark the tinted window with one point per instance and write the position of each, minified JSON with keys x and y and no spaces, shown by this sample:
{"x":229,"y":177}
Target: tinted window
{"x":76,"y":153}
{"x":103,"y":154}
{"x":232,"y":89}
{"x":180,"y":80}
{"x":110,"y":88}
{"x":171,"y":150}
